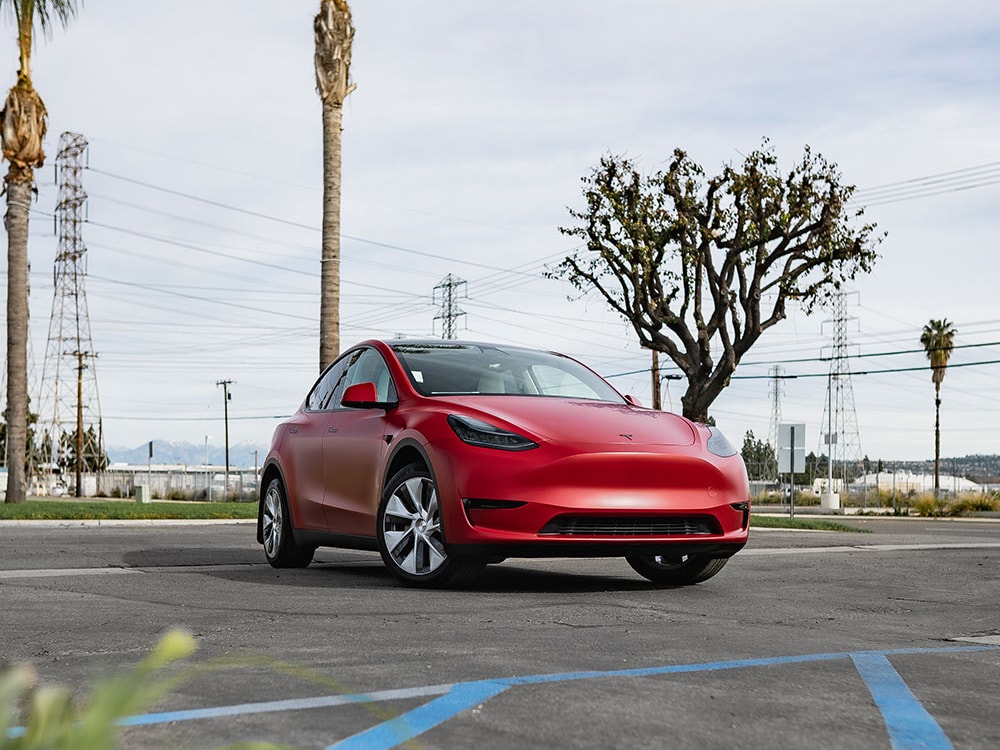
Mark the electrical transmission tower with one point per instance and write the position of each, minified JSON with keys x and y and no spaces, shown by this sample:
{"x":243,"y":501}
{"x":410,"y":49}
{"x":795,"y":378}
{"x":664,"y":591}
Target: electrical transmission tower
{"x":447,"y":290}
{"x":841,"y":440}
{"x":771,"y":470}
{"x":69,"y":435}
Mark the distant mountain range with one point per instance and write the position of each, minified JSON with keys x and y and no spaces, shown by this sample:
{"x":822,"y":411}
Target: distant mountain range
{"x":241,"y":455}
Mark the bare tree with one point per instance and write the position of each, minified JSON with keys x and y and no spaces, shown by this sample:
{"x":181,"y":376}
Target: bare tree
{"x":334,"y":34}
{"x":24,"y":121}
{"x":701,"y":267}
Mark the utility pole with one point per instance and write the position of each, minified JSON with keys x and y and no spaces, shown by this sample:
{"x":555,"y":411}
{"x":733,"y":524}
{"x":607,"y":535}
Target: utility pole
{"x":656,"y":380}
{"x":226,"y":395}
{"x":80,"y":367}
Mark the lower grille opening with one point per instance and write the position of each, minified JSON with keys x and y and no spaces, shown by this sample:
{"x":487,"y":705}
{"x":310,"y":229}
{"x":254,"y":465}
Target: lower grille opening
{"x":472,"y":503}
{"x":631,"y":526}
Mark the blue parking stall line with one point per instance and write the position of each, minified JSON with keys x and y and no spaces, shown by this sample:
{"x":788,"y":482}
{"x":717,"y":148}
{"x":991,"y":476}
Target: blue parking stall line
{"x":408,"y":726}
{"x":769,"y":661}
{"x":414,"y":723}
{"x":677,"y":668}
{"x":909,"y":724}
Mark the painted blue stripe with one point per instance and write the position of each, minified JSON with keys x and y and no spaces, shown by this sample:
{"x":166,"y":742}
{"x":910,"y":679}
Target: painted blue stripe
{"x":910,"y":726}
{"x":409,"y":725}
{"x":675,"y":669}
{"x":458,"y":697}
{"x":733,"y":664}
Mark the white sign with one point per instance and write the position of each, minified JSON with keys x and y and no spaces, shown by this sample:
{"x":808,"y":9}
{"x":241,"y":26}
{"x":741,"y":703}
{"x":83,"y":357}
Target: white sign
{"x":791,"y":448}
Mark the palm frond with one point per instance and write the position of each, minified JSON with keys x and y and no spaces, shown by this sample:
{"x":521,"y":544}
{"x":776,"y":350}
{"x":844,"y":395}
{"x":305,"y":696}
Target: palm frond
{"x":43,"y":13}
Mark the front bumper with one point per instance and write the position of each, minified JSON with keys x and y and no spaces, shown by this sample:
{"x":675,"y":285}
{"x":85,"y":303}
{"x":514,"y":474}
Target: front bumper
{"x":592,"y":504}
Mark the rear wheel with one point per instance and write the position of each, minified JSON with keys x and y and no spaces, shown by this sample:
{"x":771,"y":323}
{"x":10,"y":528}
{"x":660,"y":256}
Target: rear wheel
{"x":411,"y":535}
{"x":280,"y":548}
{"x":676,"y":570}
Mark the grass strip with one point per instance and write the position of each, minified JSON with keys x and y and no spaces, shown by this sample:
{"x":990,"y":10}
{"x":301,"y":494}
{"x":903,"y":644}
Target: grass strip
{"x":809,"y":524}
{"x":122,"y":510}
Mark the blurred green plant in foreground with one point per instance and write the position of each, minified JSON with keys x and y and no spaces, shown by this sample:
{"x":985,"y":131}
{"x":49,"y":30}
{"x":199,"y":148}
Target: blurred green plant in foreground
{"x":36,"y":716}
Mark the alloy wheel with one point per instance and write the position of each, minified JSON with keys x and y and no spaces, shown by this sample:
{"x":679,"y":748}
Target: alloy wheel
{"x":411,"y":527}
{"x":272,"y":518}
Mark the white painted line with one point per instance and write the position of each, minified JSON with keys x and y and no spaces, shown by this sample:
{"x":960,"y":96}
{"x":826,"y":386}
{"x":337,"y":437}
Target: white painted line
{"x":110,"y":571}
{"x":988,"y":640}
{"x":61,"y":572}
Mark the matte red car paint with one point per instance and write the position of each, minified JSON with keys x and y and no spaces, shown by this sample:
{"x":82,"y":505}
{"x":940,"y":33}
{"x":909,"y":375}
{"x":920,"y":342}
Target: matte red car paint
{"x":593,"y":458}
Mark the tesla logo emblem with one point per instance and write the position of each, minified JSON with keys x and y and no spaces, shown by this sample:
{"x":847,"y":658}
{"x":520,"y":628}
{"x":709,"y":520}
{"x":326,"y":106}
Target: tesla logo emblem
{"x":626,"y":435}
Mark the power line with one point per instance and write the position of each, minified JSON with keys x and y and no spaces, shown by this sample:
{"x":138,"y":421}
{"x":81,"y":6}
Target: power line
{"x":921,"y":368}
{"x":299,"y":225}
{"x":952,"y":181}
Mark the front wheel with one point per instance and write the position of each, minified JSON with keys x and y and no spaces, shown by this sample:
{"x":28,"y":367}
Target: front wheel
{"x":280,"y":548}
{"x":411,"y":536}
{"x":676,"y":570}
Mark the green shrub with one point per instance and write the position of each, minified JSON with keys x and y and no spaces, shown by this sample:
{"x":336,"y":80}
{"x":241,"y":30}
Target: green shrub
{"x":927,"y":505}
{"x":972,"y":504}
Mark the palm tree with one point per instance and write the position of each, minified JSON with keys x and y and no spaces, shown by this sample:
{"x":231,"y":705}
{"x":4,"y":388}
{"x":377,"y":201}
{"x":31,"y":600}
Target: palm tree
{"x":23,"y":120}
{"x":334,"y":34}
{"x":938,"y":340}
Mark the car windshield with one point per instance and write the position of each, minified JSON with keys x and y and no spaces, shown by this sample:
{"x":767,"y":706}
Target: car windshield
{"x":464,"y":369}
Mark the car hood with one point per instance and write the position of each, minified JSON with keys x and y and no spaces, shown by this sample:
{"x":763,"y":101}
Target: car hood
{"x":562,"y":420}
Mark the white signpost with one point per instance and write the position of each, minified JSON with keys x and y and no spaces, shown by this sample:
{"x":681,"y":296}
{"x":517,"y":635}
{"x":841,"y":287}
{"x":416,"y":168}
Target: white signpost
{"x":791,"y":456}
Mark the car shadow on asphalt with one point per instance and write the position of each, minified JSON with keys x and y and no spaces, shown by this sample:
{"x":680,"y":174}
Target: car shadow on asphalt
{"x":358,"y":570}
{"x":513,"y":578}
{"x":359,"y":573}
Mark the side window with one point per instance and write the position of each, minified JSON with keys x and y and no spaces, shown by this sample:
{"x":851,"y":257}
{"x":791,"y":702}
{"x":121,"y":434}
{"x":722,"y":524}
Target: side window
{"x":331,"y":382}
{"x":369,"y":367}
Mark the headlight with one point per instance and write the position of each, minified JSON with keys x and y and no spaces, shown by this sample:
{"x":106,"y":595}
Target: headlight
{"x":477,"y":432}
{"x":718,"y":444}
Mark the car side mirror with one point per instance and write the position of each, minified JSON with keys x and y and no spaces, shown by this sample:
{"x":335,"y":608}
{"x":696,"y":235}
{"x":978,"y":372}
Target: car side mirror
{"x":632,"y":400}
{"x":363,"y":396}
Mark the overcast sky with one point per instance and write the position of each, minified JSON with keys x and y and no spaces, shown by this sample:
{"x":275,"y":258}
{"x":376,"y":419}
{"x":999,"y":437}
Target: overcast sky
{"x":464,"y":144}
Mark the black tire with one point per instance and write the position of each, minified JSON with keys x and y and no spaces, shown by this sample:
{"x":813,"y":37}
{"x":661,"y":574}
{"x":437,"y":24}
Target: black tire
{"x":410,"y":533}
{"x":676,"y":570}
{"x":280,"y":547}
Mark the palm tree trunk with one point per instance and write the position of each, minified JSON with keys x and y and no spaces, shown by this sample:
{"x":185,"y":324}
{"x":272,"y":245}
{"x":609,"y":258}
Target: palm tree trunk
{"x":937,"y":439}
{"x":329,"y":321}
{"x":16,"y":223}
{"x":333,"y":33}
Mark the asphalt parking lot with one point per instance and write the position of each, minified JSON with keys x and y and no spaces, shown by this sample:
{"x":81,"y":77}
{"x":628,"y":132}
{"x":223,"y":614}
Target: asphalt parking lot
{"x":889,"y":639}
